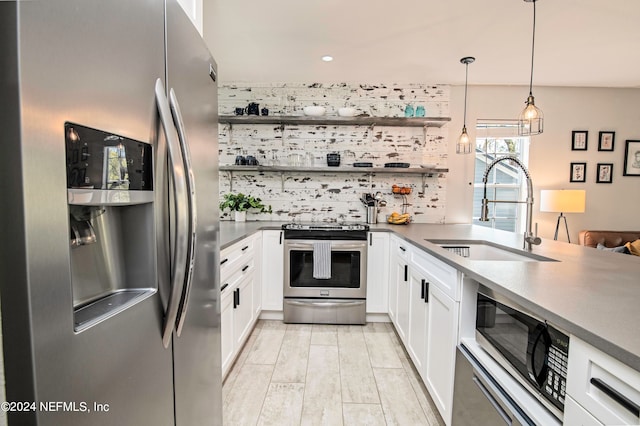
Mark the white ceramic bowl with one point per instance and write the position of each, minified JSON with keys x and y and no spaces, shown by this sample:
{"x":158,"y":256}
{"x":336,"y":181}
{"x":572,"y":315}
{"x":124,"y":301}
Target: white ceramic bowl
{"x":347,"y":112}
{"x":314,"y":110}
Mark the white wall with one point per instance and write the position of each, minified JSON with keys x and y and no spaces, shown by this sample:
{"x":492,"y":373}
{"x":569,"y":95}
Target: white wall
{"x":609,"y":206}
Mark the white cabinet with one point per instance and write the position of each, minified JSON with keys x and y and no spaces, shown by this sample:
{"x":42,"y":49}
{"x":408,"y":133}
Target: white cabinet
{"x":424,"y":306}
{"x":378,"y":272}
{"x":272,"y":270}
{"x":418,"y":313}
{"x":257,"y":275}
{"x":603,"y":386}
{"x":239,"y":283}
{"x":576,"y":415}
{"x":442,"y":338}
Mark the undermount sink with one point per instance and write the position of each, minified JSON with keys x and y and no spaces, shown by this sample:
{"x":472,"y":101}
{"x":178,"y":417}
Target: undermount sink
{"x":484,"y":250}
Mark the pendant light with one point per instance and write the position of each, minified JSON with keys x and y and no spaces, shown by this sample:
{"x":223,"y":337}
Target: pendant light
{"x":464,"y":143}
{"x":531,"y":118}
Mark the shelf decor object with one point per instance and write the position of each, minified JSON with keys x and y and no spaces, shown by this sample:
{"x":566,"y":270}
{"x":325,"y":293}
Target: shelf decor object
{"x":562,"y":201}
{"x":579,"y":140}
{"x":606,"y":141}
{"x":464,"y":143}
{"x":531,"y":118}
{"x":631,"y":158}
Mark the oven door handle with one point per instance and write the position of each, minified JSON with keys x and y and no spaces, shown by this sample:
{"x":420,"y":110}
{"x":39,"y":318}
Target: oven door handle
{"x":324,"y":304}
{"x":334,"y":245}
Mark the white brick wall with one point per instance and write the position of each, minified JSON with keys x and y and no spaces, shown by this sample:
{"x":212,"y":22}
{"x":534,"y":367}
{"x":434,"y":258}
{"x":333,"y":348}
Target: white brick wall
{"x":335,"y":196}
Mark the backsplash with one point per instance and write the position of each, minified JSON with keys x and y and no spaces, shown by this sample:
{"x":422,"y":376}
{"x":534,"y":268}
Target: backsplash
{"x":324,"y":196}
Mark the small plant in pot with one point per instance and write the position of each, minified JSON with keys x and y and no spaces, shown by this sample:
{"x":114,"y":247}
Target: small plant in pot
{"x":239,"y":204}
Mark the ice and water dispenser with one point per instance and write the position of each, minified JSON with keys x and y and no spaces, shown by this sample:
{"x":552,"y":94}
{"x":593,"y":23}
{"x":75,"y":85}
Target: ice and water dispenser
{"x":111,"y":222}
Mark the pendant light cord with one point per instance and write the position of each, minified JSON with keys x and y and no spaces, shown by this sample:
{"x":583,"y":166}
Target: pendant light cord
{"x":533,"y":47}
{"x":466,"y":78}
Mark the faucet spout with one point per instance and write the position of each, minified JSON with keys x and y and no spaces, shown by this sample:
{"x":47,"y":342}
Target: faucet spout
{"x":529,"y":238}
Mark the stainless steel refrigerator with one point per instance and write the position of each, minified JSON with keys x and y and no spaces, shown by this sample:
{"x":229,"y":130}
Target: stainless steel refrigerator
{"x":109,"y":281}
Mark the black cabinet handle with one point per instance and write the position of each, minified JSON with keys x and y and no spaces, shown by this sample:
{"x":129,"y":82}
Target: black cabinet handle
{"x":370,"y":239}
{"x":223,"y":287}
{"x":402,"y":248}
{"x":244,"y":248}
{"x":426,"y":291}
{"x":223,"y":261}
{"x":245,"y":268}
{"x":236,"y":302}
{"x":406,"y":272}
{"x":281,"y":237}
{"x":422,"y":289}
{"x":238,"y":290}
{"x":629,"y":405}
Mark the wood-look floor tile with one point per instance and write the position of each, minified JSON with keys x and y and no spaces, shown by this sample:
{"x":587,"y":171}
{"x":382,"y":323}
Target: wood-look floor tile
{"x":429,"y":408}
{"x":237,"y":365}
{"x":382,"y":349}
{"x":322,"y":334}
{"x":266,"y":347}
{"x":363,"y":414}
{"x":399,"y":402}
{"x":244,"y":402}
{"x":322,"y":397}
{"x":356,"y":375}
{"x":282,"y":405}
{"x":291,"y":366}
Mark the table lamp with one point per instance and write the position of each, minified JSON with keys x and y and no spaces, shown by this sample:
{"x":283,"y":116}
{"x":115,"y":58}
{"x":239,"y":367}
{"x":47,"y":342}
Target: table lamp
{"x":562,"y":201}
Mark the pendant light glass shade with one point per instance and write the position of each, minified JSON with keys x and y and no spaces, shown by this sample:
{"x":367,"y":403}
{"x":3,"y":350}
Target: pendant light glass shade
{"x":464,"y":142}
{"x":531,"y":119}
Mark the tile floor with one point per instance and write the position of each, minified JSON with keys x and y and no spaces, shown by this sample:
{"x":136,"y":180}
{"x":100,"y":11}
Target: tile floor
{"x":293,"y":374}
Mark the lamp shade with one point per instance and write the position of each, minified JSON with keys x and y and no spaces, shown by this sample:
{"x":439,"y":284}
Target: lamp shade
{"x":562,"y":200}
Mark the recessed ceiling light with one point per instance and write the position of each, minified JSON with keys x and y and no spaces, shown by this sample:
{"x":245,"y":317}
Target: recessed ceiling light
{"x":327,"y":58}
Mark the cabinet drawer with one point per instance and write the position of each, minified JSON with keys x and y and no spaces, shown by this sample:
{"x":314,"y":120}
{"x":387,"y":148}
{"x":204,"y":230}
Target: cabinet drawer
{"x":239,"y":272}
{"x":400,"y":247}
{"x":575,"y":414}
{"x":607,"y":388}
{"x":443,"y":275}
{"x":234,"y":256}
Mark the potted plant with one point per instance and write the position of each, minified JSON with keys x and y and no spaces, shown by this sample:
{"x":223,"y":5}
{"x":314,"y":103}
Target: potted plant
{"x":239,"y":204}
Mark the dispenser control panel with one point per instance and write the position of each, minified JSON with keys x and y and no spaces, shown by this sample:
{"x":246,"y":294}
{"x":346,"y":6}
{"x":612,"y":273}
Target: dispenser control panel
{"x":101,"y":160}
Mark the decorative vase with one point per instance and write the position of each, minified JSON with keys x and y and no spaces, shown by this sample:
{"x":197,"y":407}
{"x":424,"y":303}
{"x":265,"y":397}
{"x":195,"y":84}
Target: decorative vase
{"x":240,"y":216}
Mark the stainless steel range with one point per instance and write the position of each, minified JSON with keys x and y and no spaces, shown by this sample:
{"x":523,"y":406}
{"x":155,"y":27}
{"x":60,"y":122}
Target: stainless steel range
{"x":325,"y":273}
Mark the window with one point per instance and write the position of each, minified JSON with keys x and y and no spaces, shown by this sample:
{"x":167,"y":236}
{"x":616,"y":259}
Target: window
{"x":505,"y":182}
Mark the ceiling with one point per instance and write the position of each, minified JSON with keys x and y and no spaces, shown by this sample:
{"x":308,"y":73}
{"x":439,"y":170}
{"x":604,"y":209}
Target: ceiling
{"x":593,"y":43}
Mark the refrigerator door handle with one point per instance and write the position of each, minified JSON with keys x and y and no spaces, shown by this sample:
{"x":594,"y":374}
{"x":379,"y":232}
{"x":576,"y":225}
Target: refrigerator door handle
{"x":179,"y":258}
{"x":191,"y":197}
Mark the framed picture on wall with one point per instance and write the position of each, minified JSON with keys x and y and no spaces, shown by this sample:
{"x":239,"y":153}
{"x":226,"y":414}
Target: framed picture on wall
{"x":578,"y":172}
{"x":605,"y":141}
{"x":605,"y":173}
{"x":631,"y":158}
{"x":579,"y":140}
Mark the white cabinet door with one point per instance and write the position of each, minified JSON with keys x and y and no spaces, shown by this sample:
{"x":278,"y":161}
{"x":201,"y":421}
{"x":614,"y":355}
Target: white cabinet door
{"x":243,"y":314}
{"x":257,"y":276}
{"x":402,"y":310}
{"x":378,"y":272}
{"x":226,"y":329}
{"x":272,"y":270}
{"x":442,"y":337}
{"x":575,"y":415}
{"x":418,"y":311}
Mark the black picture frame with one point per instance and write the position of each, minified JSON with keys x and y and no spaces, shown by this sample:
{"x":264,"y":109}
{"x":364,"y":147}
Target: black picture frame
{"x":579,"y":139}
{"x":606,"y":141}
{"x":578,"y":172}
{"x":604,"y":173}
{"x":631,"y":158}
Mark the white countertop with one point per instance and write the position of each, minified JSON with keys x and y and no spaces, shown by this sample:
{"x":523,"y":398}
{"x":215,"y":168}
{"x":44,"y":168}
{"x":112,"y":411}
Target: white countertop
{"x":591,"y":293}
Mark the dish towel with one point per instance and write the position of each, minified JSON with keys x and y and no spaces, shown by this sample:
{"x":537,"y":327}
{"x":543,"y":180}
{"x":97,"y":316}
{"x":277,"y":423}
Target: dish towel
{"x":322,"y":260}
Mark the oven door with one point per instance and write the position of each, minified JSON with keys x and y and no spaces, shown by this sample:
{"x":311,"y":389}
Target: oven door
{"x":348,"y":270}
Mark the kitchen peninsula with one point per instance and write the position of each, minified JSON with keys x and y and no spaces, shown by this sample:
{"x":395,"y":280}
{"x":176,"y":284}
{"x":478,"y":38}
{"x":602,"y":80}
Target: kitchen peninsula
{"x":590,"y":293}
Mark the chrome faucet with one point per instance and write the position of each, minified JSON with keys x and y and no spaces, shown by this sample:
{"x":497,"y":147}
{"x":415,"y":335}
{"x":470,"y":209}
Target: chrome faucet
{"x":529,"y":237}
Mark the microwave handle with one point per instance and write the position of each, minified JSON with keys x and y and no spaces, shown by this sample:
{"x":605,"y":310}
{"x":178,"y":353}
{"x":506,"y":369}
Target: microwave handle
{"x":533,"y":352}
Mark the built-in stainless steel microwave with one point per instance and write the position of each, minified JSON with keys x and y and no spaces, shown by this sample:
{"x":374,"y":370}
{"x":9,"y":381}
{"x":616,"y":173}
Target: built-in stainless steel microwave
{"x":531,"y":349}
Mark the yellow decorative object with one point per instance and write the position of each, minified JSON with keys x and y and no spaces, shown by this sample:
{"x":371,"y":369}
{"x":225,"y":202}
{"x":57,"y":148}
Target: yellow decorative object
{"x":634,"y":247}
